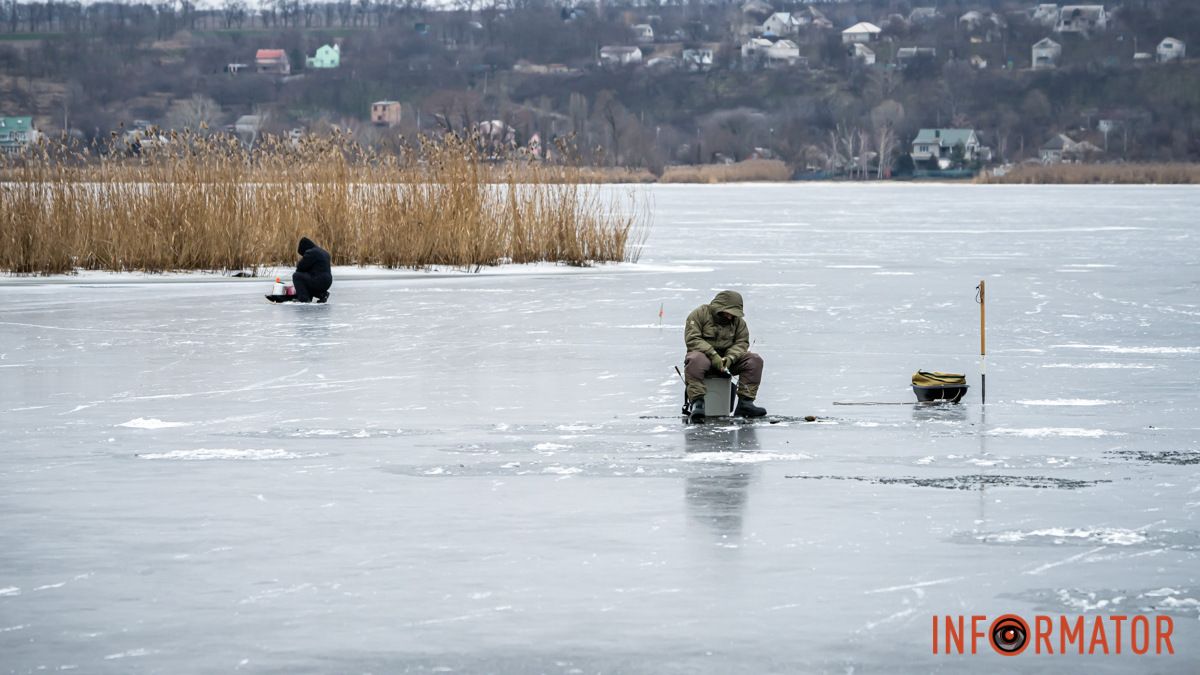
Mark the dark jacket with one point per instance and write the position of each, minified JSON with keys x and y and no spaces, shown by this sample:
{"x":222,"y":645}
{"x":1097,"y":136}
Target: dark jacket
{"x":703,"y":333}
{"x":314,"y":262}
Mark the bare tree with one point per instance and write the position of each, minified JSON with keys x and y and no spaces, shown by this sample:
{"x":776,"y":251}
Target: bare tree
{"x":195,"y":113}
{"x":885,"y":119}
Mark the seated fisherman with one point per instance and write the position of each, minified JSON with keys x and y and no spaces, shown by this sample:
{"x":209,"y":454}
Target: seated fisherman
{"x":313,"y":276}
{"x":718,"y":339}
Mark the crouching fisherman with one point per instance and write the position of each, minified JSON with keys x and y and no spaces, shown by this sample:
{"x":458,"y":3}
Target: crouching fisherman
{"x":718,"y":339}
{"x":313,"y":276}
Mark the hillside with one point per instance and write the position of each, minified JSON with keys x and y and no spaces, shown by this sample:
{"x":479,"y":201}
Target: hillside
{"x":710,"y":84}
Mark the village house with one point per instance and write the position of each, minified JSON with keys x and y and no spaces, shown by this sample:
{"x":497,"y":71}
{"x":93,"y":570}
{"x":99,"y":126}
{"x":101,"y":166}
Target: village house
{"x":663,"y":61}
{"x":861,"y":33}
{"x":1081,"y":19}
{"x":862,"y":54}
{"x":1045,"y":15}
{"x":1171,"y":49}
{"x":386,"y":113}
{"x":643,"y":33}
{"x":143,"y":135}
{"x":972,"y":20}
{"x":524,"y":66}
{"x":1062,"y":149}
{"x":811,"y":17}
{"x":616,"y":55}
{"x":939,"y":145}
{"x":16,"y":134}
{"x":754,"y":51}
{"x":1045,"y":54}
{"x":248,"y":124}
{"x":905,"y":56}
{"x":273,"y":61}
{"x":920,"y":15}
{"x":327,"y":56}
{"x":698,"y":60}
{"x":783,"y":52}
{"x":247,"y":129}
{"x":781,"y":24}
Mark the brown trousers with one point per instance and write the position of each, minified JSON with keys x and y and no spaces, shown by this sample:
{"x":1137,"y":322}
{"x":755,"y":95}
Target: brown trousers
{"x":748,"y":368}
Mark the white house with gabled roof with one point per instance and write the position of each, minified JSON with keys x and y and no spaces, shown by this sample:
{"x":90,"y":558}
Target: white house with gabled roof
{"x":940,"y":144}
{"x":1081,"y":19}
{"x":781,"y":23}
{"x":861,"y":33}
{"x":1045,"y":54}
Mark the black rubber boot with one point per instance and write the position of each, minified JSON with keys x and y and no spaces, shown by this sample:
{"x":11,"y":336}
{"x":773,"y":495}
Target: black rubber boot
{"x":322,"y":297}
{"x":696,"y":409}
{"x":746,"y":408}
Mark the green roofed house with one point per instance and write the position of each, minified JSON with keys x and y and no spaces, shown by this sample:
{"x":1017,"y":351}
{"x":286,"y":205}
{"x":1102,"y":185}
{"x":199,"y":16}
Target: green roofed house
{"x":328,"y":56}
{"x":939,"y":144}
{"x":16,"y":133}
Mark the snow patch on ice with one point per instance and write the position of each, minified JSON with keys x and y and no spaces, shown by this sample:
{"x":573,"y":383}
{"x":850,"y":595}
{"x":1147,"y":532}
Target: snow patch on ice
{"x":1116,"y":349}
{"x":577,"y":427}
{"x":130,"y":653}
{"x":203,"y":454}
{"x":1180,"y":603}
{"x":1068,"y":401}
{"x":984,"y":462}
{"x":1045,"y":432}
{"x":547,"y":447}
{"x":1107,"y":366}
{"x":562,"y":470}
{"x":9,"y":590}
{"x":1104,"y":535}
{"x":152,"y":423}
{"x":743,"y":457}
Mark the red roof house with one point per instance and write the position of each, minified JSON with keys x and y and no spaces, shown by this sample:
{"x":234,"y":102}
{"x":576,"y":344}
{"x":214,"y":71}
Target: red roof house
{"x":272,"y":61}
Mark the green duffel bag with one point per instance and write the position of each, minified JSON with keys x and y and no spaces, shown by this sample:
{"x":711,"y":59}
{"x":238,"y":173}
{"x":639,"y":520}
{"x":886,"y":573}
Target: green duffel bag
{"x":924,"y":378}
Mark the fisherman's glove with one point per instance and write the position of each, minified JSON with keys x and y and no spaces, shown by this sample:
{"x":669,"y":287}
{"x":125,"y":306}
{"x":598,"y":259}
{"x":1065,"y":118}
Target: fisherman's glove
{"x":718,"y":361}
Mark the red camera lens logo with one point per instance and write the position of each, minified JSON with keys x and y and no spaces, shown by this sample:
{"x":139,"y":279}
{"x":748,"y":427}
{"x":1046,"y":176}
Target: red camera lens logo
{"x":1009,"y":635}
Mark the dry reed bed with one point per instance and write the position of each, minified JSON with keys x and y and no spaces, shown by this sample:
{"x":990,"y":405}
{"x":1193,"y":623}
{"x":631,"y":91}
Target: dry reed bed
{"x":749,"y":170}
{"x":744,"y":171}
{"x":1083,"y":174}
{"x":211,"y":205}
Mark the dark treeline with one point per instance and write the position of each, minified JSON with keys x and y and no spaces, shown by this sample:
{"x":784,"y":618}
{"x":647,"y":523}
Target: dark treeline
{"x":96,"y":68}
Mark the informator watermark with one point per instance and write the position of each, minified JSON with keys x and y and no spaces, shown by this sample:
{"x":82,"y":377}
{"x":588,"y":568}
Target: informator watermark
{"x":1012,"y":635}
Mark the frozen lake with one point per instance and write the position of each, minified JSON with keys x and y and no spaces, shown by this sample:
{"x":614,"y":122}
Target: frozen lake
{"x":488,"y":473}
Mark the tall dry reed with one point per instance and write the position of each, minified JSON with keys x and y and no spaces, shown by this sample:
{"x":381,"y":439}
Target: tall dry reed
{"x":207,"y":203}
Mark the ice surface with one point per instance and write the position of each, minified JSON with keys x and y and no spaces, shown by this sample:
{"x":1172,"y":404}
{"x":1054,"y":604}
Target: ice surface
{"x":449,"y":473}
